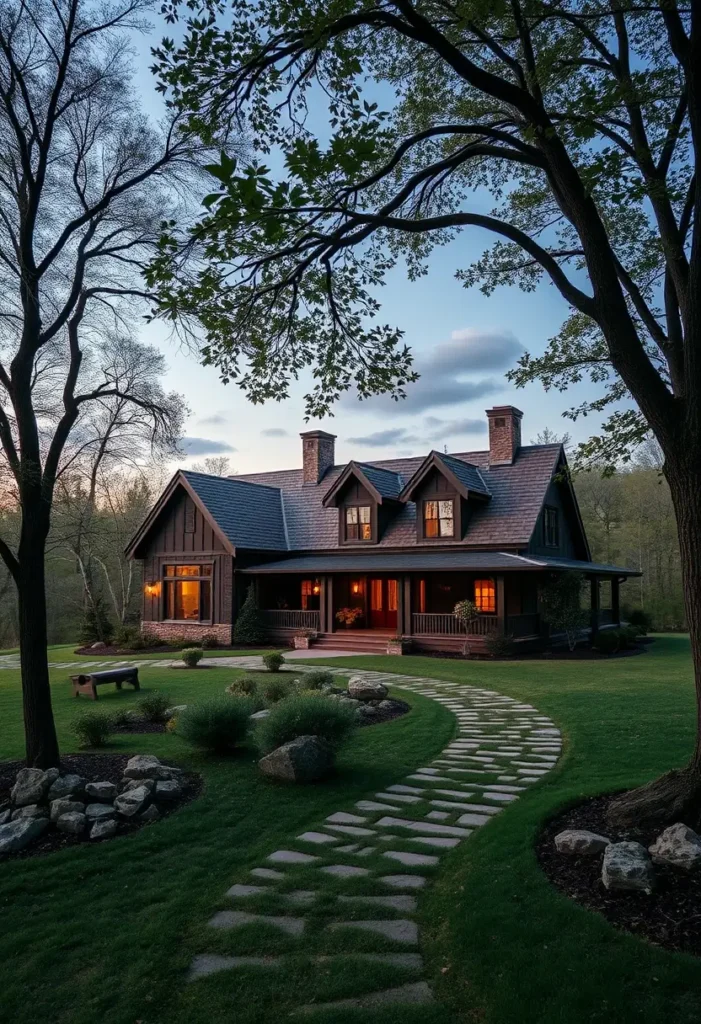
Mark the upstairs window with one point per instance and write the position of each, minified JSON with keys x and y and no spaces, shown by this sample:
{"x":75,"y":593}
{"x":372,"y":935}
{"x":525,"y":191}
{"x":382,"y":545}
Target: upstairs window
{"x":187,"y":593}
{"x":485,"y":595}
{"x":358,"y":522}
{"x":551,"y":527}
{"x":439,"y":520}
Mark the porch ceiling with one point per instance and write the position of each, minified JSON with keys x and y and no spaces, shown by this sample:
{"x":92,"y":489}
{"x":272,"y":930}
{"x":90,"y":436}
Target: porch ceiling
{"x":417,"y":561}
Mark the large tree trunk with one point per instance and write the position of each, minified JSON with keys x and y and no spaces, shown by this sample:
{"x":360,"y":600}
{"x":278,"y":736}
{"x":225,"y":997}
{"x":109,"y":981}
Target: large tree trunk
{"x":676,"y":796}
{"x":40,"y":732}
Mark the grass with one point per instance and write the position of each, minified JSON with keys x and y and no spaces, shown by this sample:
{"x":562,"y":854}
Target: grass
{"x":68,"y":654}
{"x":105,"y":933}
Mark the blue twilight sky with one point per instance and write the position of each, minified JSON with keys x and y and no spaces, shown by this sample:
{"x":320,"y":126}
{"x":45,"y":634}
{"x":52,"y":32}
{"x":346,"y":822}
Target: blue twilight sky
{"x":463,"y":342}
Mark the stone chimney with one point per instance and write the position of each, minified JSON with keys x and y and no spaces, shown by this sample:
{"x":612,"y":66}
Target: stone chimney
{"x":504,"y":434}
{"x":318,"y":455}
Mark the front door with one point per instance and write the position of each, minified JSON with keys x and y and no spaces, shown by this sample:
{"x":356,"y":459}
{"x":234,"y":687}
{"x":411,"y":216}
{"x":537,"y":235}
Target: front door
{"x":383,"y":604}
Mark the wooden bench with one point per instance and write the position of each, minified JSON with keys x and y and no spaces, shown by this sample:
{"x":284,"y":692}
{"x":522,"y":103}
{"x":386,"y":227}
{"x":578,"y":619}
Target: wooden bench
{"x":88,"y":683}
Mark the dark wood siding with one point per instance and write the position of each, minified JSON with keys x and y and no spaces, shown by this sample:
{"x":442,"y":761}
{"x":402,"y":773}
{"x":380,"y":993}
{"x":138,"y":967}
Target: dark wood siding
{"x":567,"y":547}
{"x":436,"y":486}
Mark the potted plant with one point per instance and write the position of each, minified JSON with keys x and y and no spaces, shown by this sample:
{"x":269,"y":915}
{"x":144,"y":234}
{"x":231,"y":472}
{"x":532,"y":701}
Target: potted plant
{"x":466,"y":612}
{"x":348,"y":616}
{"x":398,"y":645}
{"x":304,"y":639}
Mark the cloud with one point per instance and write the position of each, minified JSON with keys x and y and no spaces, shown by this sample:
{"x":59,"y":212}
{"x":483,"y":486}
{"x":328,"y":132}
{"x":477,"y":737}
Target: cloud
{"x":453,"y":428}
{"x":204,"y":446}
{"x":275,"y":432}
{"x":218,"y":419}
{"x":385,"y":438}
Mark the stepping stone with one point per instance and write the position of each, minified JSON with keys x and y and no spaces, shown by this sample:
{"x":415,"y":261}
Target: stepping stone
{"x":415,"y":994}
{"x":227,"y":919}
{"x":300,"y":895}
{"x":291,"y":857}
{"x":344,"y":871}
{"x":402,"y":798}
{"x":502,"y":798}
{"x":373,"y":805}
{"x":404,"y":903}
{"x":343,"y":818}
{"x":436,"y":841}
{"x":366,"y":851}
{"x":210,"y":963}
{"x":457,"y":793}
{"x":479,"y":808}
{"x":474,"y":819}
{"x":353,"y":830}
{"x":502,"y":789}
{"x":350,"y":848}
{"x":411,"y":859}
{"x":423,"y":826}
{"x":269,"y":873}
{"x":403,"y":881}
{"x":437,"y":815}
{"x":508,"y":778}
{"x":239,"y":891}
{"x":317,"y":837}
{"x":410,"y":961}
{"x":404,"y":931}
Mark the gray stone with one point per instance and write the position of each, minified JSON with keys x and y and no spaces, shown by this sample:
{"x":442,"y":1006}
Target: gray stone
{"x":436,"y":841}
{"x":427,"y":827}
{"x":104,"y":792}
{"x":268,"y":873}
{"x":319,"y":838}
{"x":304,"y":759}
{"x":415,"y":993}
{"x":52,"y":774}
{"x":210,"y":963}
{"x":364,"y":689}
{"x":403,"y":881}
{"x":411,"y":859}
{"x":65,"y":806}
{"x":406,"y":904}
{"x":99,"y":645}
{"x":343,"y":818}
{"x":402,"y":798}
{"x":31,"y":787}
{"x":239,"y":891}
{"x":100,"y":812}
{"x":66,"y":785}
{"x":580,"y":841}
{"x":352,"y":830}
{"x":15,"y":835}
{"x":344,"y":871}
{"x":403,"y":931}
{"x":30,"y":811}
{"x":129,"y":784}
{"x":5,"y":815}
{"x":303,"y":896}
{"x":227,"y":919}
{"x":627,"y":866}
{"x":258,"y":715}
{"x":374,"y":805}
{"x":103,"y":829}
{"x":291,"y":857}
{"x":678,"y":846}
{"x":147,"y":766}
{"x":72,"y":823}
{"x":174,"y":711}
{"x":410,"y":961}
{"x":437,"y":815}
{"x":473,"y":819}
{"x":133,"y":802}
{"x":150,"y":815}
{"x":169,"y":790}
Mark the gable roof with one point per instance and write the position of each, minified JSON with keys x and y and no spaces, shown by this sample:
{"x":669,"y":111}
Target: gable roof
{"x":381,"y":483}
{"x":465,"y":477}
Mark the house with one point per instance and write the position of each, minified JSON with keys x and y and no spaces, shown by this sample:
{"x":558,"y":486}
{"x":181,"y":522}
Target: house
{"x":400,"y":540}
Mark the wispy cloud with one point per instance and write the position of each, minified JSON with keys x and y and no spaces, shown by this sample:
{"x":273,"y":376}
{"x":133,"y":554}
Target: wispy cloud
{"x":217,"y":419}
{"x":204,"y":446}
{"x":385,"y":438}
{"x":438,"y":428}
{"x":275,"y":432}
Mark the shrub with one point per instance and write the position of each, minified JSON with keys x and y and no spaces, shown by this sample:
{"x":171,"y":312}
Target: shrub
{"x":500,"y":646}
{"x":96,"y":625}
{"x":642,"y":619}
{"x":274,"y":661}
{"x":93,"y":728}
{"x":218,"y":724}
{"x":179,"y":640}
{"x":302,"y":715}
{"x":274,"y":690}
{"x":249,"y":628}
{"x":153,"y":707}
{"x":246,"y":686}
{"x":126,"y":636}
{"x":561,"y":603}
{"x":209,"y":640}
{"x":192,"y":656}
{"x":317,"y":679}
{"x":607,"y":642}
{"x":121,"y":718}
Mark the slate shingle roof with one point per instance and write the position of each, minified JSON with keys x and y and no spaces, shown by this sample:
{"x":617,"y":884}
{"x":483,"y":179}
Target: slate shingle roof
{"x":249,"y":514}
{"x":466,"y":474}
{"x":385,"y":481}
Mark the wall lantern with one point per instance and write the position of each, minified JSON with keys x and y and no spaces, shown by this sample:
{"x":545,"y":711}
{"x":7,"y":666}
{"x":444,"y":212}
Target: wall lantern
{"x":355,"y":588}
{"x":316,"y":589}
{"x":152,"y":589}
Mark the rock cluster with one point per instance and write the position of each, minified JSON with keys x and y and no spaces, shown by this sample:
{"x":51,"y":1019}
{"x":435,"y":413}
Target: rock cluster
{"x":40,"y":800}
{"x":304,"y":759}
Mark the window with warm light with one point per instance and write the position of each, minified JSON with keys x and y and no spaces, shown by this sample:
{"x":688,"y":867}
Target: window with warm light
{"x":188,"y":593}
{"x":439,"y":519}
{"x":485,"y":595}
{"x":358,"y":522}
{"x":311,"y":591}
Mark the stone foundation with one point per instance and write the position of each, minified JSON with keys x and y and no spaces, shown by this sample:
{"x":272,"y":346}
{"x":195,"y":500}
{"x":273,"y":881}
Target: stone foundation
{"x":191,"y":630}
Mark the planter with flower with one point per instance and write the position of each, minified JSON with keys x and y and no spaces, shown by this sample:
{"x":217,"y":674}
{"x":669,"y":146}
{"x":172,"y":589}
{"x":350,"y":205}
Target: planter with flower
{"x":349,"y":616}
{"x":304,"y":638}
{"x":398,"y":645}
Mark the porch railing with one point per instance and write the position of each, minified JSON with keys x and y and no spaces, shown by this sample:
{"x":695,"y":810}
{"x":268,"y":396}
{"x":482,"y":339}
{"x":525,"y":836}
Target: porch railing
{"x":431,"y":624}
{"x":291,"y":618}
{"x":523,"y":625}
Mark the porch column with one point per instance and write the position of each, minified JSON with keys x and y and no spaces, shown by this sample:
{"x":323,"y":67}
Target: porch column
{"x":322,"y":605}
{"x":616,"y":600}
{"x":594,"y":619}
{"x":407,"y":628}
{"x":330,"y":623}
{"x":501,"y":606}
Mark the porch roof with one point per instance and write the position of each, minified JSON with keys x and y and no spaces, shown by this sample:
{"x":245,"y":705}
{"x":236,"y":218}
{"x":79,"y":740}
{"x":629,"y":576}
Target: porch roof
{"x":424,"y":561}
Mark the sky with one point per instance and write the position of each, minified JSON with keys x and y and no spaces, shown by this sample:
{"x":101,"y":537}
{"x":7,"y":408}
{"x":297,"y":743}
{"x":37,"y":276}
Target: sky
{"x":463,"y":343}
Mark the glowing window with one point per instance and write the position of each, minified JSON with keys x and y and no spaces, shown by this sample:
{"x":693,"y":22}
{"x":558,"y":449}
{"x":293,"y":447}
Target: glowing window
{"x":188,"y":593}
{"x":485,"y":595}
{"x":358,"y":522}
{"x":438,"y":519}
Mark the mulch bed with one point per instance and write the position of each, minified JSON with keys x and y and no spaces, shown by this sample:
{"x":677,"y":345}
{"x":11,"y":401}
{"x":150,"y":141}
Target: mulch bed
{"x":138,"y":726}
{"x":670,"y":917}
{"x":112,"y":651}
{"x":93,"y":768}
{"x":399,"y":708}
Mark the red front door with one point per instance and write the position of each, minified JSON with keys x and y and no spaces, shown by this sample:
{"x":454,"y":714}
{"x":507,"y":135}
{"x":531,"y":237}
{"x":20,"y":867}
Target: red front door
{"x":383,"y":604}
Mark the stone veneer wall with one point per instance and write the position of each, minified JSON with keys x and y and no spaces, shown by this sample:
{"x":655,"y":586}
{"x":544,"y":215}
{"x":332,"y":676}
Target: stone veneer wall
{"x":190,"y":630}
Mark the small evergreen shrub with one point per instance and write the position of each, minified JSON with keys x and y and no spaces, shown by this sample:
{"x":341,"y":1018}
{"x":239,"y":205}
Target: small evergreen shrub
{"x":246,"y":686}
{"x":249,"y":627}
{"x":93,"y":728}
{"x":209,"y":640}
{"x":274,"y":690}
{"x":181,"y":641}
{"x":607,"y":642}
{"x":192,"y":656}
{"x":500,"y":646}
{"x":153,"y":707}
{"x":274,"y":661}
{"x":302,"y":715}
{"x":317,"y":679}
{"x":217,"y":725}
{"x":120,"y":719}
{"x":96,"y":625}
{"x":126,"y":636}
{"x":639,"y":617}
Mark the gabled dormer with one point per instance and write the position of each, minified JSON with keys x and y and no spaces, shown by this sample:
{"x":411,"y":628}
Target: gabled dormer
{"x":444,"y":489}
{"x":366,"y":497}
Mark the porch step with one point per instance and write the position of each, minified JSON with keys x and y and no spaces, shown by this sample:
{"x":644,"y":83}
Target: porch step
{"x":374,"y":643}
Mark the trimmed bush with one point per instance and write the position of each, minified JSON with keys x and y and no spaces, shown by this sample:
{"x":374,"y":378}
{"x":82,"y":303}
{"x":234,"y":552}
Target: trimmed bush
{"x":246,"y":686}
{"x":153,"y":707}
{"x":126,"y":636}
{"x":642,"y":619}
{"x":180,"y":641}
{"x":192,"y":656}
{"x":300,"y":715}
{"x":249,"y":627}
{"x":120,"y":719}
{"x":500,"y":646}
{"x":316,"y":680}
{"x":217,"y":725}
{"x":607,"y":642}
{"x":93,"y":728}
{"x":274,"y":690}
{"x":209,"y":640}
{"x":274,"y":661}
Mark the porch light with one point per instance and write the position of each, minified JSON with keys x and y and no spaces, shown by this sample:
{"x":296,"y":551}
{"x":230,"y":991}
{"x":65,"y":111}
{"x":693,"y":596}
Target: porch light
{"x":316,"y":589}
{"x":355,"y":588}
{"x":152,"y":589}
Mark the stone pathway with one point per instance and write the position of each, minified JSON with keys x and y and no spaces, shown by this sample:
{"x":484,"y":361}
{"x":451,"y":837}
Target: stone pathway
{"x":366,"y":865}
{"x":12,"y":661}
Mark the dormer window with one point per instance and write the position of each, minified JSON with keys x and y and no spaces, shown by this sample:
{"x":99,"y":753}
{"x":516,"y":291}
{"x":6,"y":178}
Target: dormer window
{"x":551,"y":527}
{"x":358,"y":522}
{"x":439,"y":518}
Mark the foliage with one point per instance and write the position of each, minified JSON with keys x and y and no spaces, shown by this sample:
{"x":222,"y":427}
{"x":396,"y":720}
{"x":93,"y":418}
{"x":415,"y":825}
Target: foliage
{"x":317,"y":679}
{"x":120,"y":718}
{"x":466,"y":612}
{"x":93,"y":728}
{"x":640,"y":618}
{"x":249,"y":627}
{"x":218,"y":724}
{"x":560,"y":598}
{"x":209,"y":640}
{"x":191,"y":656}
{"x":273,"y":661}
{"x":607,"y":641}
{"x":179,"y":640}
{"x":274,"y":690}
{"x":96,"y":624}
{"x":499,"y":646}
{"x":153,"y":706}
{"x":349,"y":616}
{"x":244,"y":686}
{"x":299,"y":715}
{"x":126,"y":636}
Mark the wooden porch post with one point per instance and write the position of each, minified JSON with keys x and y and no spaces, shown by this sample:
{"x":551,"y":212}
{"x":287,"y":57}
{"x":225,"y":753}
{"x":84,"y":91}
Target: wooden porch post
{"x":616,"y":600}
{"x":330,"y":621}
{"x":594,"y":605}
{"x":322,"y":605}
{"x":501,"y":606}
{"x":407,"y":628}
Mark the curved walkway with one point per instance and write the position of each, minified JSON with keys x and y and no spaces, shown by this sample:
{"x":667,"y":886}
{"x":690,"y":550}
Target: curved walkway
{"x":368,"y":861}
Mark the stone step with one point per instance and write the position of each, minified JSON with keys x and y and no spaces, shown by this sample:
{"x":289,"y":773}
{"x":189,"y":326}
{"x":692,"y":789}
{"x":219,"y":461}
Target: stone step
{"x":414,"y":994}
{"x":402,"y":930}
{"x":224,"y":920}
{"x":210,"y":963}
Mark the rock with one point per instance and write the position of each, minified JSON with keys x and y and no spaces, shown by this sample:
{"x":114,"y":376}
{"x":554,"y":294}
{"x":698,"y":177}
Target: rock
{"x":128,"y":784}
{"x":31,"y":786}
{"x":103,"y":829}
{"x":52,"y":774}
{"x":133,"y":801}
{"x":104,"y":792}
{"x":150,"y":814}
{"x":627,"y":866}
{"x":72,"y":823}
{"x":15,"y":835}
{"x":304,"y":759}
{"x":365,"y":689}
{"x":579,"y":841}
{"x":172,"y":712}
{"x":66,"y":785}
{"x":30,"y":811}
{"x":5,"y":815}
{"x":386,"y":705}
{"x":349,"y":701}
{"x":168,"y":790}
{"x":678,"y":846}
{"x":100,"y":812}
{"x":60,"y":807}
{"x":258,"y":715}
{"x":99,"y":645}
{"x":146,"y":766}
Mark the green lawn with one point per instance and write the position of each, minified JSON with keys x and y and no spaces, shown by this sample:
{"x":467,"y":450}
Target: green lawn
{"x":147,"y":655}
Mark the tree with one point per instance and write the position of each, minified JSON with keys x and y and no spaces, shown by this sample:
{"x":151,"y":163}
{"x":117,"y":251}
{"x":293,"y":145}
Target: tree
{"x":466,"y":613}
{"x":560,"y":600}
{"x":583,"y":121}
{"x":214,"y":465}
{"x":548,"y":436}
{"x":249,"y":628}
{"x":85,"y":181}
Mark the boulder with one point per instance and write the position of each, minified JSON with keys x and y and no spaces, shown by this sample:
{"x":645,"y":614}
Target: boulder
{"x":579,"y":841}
{"x":72,"y":823}
{"x":99,"y":645}
{"x":99,"y":812}
{"x":146,"y":766}
{"x":149,"y":784}
{"x":258,"y":715}
{"x":627,"y":866}
{"x":132,"y":802}
{"x":678,"y":846}
{"x":173,"y":712}
{"x":103,"y":829}
{"x":5,"y":815}
{"x":15,"y":835}
{"x":66,"y":785}
{"x":30,"y":811}
{"x":31,"y":786}
{"x":168,"y":790}
{"x":304,"y":759}
{"x":104,"y":792}
{"x":52,"y":774}
{"x":365,"y":689}
{"x":150,"y":814}
{"x":60,"y":807}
